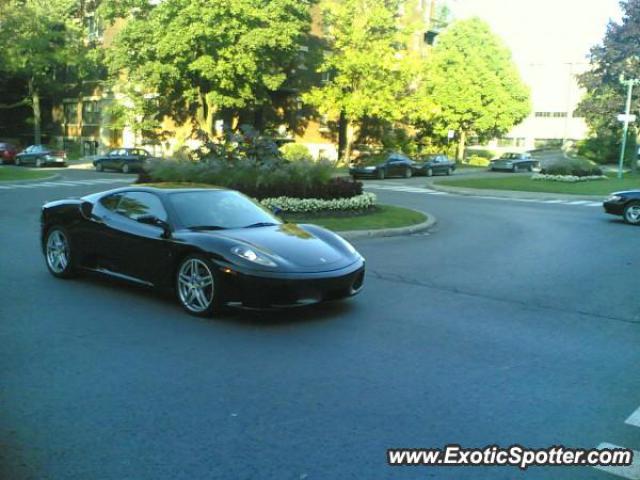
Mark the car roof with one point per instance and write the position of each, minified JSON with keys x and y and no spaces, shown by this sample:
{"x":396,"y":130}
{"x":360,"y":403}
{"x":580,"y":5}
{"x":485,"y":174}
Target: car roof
{"x":156,"y":190}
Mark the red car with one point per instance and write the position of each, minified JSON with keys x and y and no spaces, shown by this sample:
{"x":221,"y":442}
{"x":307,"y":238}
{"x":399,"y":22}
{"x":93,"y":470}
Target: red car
{"x":7,"y":153}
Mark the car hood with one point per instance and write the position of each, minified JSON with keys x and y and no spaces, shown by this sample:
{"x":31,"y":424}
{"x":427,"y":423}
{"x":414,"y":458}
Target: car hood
{"x":292,"y":247}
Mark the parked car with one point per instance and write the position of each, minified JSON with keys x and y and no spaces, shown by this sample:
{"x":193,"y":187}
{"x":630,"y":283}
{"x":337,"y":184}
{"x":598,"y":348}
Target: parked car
{"x":625,"y":204}
{"x":125,"y":160}
{"x":8,"y":153}
{"x":514,"y":162}
{"x":211,"y":246}
{"x":41,"y":156}
{"x":433,"y":165}
{"x":382,"y":166}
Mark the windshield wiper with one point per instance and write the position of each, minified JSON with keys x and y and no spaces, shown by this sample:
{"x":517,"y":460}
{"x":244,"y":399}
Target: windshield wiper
{"x":206,"y":227}
{"x":261,"y":224}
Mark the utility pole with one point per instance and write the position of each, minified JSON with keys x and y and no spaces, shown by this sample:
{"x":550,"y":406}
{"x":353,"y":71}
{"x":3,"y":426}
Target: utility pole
{"x":626,"y":118}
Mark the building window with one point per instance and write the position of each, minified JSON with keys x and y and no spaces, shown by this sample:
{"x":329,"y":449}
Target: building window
{"x":551,"y":114}
{"x":71,"y":113}
{"x":91,"y":112}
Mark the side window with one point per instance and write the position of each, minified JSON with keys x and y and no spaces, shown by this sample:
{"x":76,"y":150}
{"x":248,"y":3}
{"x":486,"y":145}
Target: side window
{"x":137,"y":204}
{"x":110,"y":202}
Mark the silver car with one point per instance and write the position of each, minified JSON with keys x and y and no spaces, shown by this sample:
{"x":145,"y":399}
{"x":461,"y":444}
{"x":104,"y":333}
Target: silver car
{"x":514,"y":162}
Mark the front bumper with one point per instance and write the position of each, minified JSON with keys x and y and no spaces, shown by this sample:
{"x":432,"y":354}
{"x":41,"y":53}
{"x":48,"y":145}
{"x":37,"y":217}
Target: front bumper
{"x":613,"y":208}
{"x":275,"y":290}
{"x":357,"y":172}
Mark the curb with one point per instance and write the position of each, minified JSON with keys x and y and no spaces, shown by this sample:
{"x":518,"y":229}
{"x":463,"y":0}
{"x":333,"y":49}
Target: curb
{"x":391,"y":232}
{"x":513,"y":194}
{"x":45,"y":179}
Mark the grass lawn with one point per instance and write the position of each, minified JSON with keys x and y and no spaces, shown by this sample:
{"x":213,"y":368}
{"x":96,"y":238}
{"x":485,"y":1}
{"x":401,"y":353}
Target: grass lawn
{"x":525,"y":184}
{"x":19,"y":173}
{"x":383,"y":216}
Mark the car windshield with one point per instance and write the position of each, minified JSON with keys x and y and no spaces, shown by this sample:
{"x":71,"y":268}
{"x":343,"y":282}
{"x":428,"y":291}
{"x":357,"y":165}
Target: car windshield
{"x":219,"y":209}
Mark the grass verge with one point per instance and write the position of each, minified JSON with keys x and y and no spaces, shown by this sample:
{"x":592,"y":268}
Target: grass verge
{"x":525,"y":184}
{"x":8,"y":174}
{"x":382,"y":216}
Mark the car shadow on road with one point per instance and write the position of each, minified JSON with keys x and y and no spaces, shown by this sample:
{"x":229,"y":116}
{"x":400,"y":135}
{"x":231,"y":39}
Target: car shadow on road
{"x":321,"y":312}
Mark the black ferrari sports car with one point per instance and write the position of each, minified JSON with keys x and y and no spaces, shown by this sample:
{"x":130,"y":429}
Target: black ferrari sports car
{"x":212,"y":246}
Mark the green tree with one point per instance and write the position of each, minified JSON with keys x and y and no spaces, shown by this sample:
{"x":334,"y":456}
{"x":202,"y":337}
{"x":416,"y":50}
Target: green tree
{"x":474,"y":83}
{"x":365,"y":79}
{"x":202,"y":57}
{"x":605,"y":95}
{"x":39,"y":39}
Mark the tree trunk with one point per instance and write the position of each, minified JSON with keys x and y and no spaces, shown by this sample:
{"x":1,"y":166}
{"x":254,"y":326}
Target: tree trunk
{"x":349,"y":134}
{"x":462,"y":139}
{"x":37,"y":116}
{"x":342,"y":134}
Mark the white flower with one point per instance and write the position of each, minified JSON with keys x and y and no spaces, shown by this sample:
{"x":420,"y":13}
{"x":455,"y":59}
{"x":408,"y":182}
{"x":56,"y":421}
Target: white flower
{"x":309,"y":205}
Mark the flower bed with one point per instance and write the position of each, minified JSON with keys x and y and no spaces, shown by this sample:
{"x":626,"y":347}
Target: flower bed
{"x":567,"y":178}
{"x":363,"y":201}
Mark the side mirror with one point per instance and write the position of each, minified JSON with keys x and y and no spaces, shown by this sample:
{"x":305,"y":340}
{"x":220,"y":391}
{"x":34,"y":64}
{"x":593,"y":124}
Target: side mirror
{"x":86,"y":208}
{"x":156,"y":222}
{"x":277,"y":211}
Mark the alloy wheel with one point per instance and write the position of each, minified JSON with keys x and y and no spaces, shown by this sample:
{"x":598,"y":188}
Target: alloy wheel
{"x":632,"y":214}
{"x":125,"y":168}
{"x":195,"y":285}
{"x":57,"y":252}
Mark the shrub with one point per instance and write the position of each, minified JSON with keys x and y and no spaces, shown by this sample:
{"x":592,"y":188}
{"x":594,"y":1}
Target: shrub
{"x":313,"y":205}
{"x":275,"y":178}
{"x":478,"y":161}
{"x":574,"y":167}
{"x":295,"y":152}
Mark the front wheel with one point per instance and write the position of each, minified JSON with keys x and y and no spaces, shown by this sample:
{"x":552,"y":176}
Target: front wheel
{"x":58,"y":253}
{"x":99,"y":167}
{"x":408,"y":173}
{"x":38,"y":162}
{"x":125,"y":168}
{"x":632,"y":213}
{"x":196,"y":286}
{"x":380,"y":174}
{"x":449,"y":171}
{"x":429,"y":172}
{"x":18,"y":162}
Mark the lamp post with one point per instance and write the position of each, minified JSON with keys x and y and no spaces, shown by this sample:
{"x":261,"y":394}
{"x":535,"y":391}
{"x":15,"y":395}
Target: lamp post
{"x":629,"y":84}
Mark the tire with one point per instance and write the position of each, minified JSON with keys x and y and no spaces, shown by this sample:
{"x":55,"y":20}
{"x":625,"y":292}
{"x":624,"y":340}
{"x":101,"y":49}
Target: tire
{"x":408,"y":173}
{"x":632,"y":213}
{"x":58,"y":254}
{"x":449,"y":171}
{"x":514,"y":169}
{"x":18,"y":162}
{"x":99,"y":167}
{"x":429,"y":172}
{"x":530,"y":169}
{"x":198,"y":269}
{"x":125,"y":168}
{"x":38,"y":163}
{"x":380,"y":174}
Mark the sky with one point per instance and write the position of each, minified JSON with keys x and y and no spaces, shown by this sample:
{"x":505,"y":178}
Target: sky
{"x":543,"y":31}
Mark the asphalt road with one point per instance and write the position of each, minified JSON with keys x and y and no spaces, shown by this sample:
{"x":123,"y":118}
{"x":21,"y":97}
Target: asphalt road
{"x":511,"y":323}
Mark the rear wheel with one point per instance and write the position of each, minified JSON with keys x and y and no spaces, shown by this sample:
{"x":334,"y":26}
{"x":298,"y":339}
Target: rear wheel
{"x":381,"y":174}
{"x":99,"y":167}
{"x":38,"y":162}
{"x":58,"y":253}
{"x":125,"y":168}
{"x":429,"y":172}
{"x":632,"y":213}
{"x":449,"y":171}
{"x":407,"y":173}
{"x":18,"y":162}
{"x":196,"y":286}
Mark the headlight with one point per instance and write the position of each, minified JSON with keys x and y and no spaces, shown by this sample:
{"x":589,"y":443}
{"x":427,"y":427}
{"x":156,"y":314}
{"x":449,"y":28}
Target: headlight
{"x":252,"y":256}
{"x":614,"y":198}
